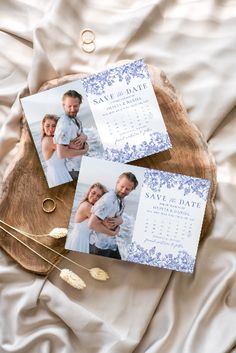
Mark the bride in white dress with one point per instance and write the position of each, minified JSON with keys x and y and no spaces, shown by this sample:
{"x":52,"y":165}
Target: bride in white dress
{"x":79,"y":238}
{"x":57,"y":172}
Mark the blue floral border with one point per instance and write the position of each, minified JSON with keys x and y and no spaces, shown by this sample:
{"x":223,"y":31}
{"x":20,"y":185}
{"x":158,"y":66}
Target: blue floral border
{"x":96,"y":84}
{"x":158,"y":142}
{"x":156,"y":179}
{"x":182,"y":261}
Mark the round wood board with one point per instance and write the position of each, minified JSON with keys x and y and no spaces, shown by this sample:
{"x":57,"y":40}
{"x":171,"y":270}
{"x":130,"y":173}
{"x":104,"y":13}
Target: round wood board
{"x":25,"y":186}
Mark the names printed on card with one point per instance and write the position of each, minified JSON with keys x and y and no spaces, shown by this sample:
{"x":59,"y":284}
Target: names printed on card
{"x":168,"y":220}
{"x":126,"y":112}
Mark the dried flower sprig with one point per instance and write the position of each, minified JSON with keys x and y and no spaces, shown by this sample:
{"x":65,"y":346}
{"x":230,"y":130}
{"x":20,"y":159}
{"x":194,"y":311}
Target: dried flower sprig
{"x":73,"y":279}
{"x":58,"y":233}
{"x":70,"y":277}
{"x":55,"y":232}
{"x":96,"y":272}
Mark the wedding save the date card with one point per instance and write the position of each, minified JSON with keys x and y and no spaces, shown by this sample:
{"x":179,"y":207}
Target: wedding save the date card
{"x":126,"y":112}
{"x":112,"y":115}
{"x":136,"y":214}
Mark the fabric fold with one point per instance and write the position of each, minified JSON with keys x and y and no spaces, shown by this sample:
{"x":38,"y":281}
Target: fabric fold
{"x":140,"y":309}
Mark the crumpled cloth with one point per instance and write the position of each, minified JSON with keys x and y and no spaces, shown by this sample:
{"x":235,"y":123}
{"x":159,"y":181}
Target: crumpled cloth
{"x":140,"y":309}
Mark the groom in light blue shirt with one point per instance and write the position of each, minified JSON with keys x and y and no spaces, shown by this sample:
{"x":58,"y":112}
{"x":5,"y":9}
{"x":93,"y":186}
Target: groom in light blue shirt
{"x":69,"y":137}
{"x":106,"y":217}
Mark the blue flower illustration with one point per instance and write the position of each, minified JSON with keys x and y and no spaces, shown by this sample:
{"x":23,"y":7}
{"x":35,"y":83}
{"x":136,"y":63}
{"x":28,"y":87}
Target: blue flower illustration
{"x":96,"y":84}
{"x":182,"y":261}
{"x":156,"y":179}
{"x":158,"y":142}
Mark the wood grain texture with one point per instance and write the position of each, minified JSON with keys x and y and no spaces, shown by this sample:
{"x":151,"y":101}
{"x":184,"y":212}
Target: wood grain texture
{"x":25,"y":187}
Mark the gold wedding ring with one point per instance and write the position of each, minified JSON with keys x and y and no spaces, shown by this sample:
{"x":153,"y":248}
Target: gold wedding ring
{"x":87,"y":36}
{"x":87,"y":40}
{"x":46,"y":205}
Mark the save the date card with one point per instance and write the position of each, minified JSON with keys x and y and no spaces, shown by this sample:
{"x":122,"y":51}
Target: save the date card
{"x":136,"y":214}
{"x":112,"y":115}
{"x":126,"y":112}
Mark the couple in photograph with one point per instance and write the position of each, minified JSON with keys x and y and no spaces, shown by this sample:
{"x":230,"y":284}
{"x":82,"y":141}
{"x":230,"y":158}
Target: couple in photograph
{"x":63,"y":141}
{"x":99,"y":216}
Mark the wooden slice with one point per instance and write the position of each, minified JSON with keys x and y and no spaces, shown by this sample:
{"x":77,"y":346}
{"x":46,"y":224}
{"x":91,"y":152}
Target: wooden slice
{"x":25,"y":186}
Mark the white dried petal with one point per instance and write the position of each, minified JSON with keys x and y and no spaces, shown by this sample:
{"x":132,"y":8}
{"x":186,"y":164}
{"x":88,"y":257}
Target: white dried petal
{"x":98,"y":274}
{"x":58,"y":233}
{"x":73,"y":279}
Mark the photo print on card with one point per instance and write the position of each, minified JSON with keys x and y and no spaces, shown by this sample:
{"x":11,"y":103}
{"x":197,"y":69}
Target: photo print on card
{"x":137,"y":214}
{"x":112,"y":115}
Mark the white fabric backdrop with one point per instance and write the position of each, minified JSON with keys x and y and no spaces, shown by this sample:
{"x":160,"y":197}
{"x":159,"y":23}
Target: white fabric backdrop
{"x":140,"y":309}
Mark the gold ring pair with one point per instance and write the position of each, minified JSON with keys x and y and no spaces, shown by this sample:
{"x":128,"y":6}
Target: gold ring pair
{"x":87,"y":39}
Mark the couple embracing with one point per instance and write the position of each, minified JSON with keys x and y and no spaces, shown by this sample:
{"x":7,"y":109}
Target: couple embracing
{"x":63,"y":141}
{"x":99,"y":216}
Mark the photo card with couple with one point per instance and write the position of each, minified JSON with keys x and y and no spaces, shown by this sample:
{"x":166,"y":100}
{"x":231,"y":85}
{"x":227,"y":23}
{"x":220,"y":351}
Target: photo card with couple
{"x":137,"y":214}
{"x":113,"y":115}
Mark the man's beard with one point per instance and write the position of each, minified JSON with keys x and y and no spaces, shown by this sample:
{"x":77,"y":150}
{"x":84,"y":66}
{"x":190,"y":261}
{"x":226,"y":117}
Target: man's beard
{"x":121,"y":196}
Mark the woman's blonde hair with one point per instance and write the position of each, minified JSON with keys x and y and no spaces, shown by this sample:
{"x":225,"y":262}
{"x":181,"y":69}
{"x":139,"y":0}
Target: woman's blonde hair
{"x":95,"y":185}
{"x":47,"y":117}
